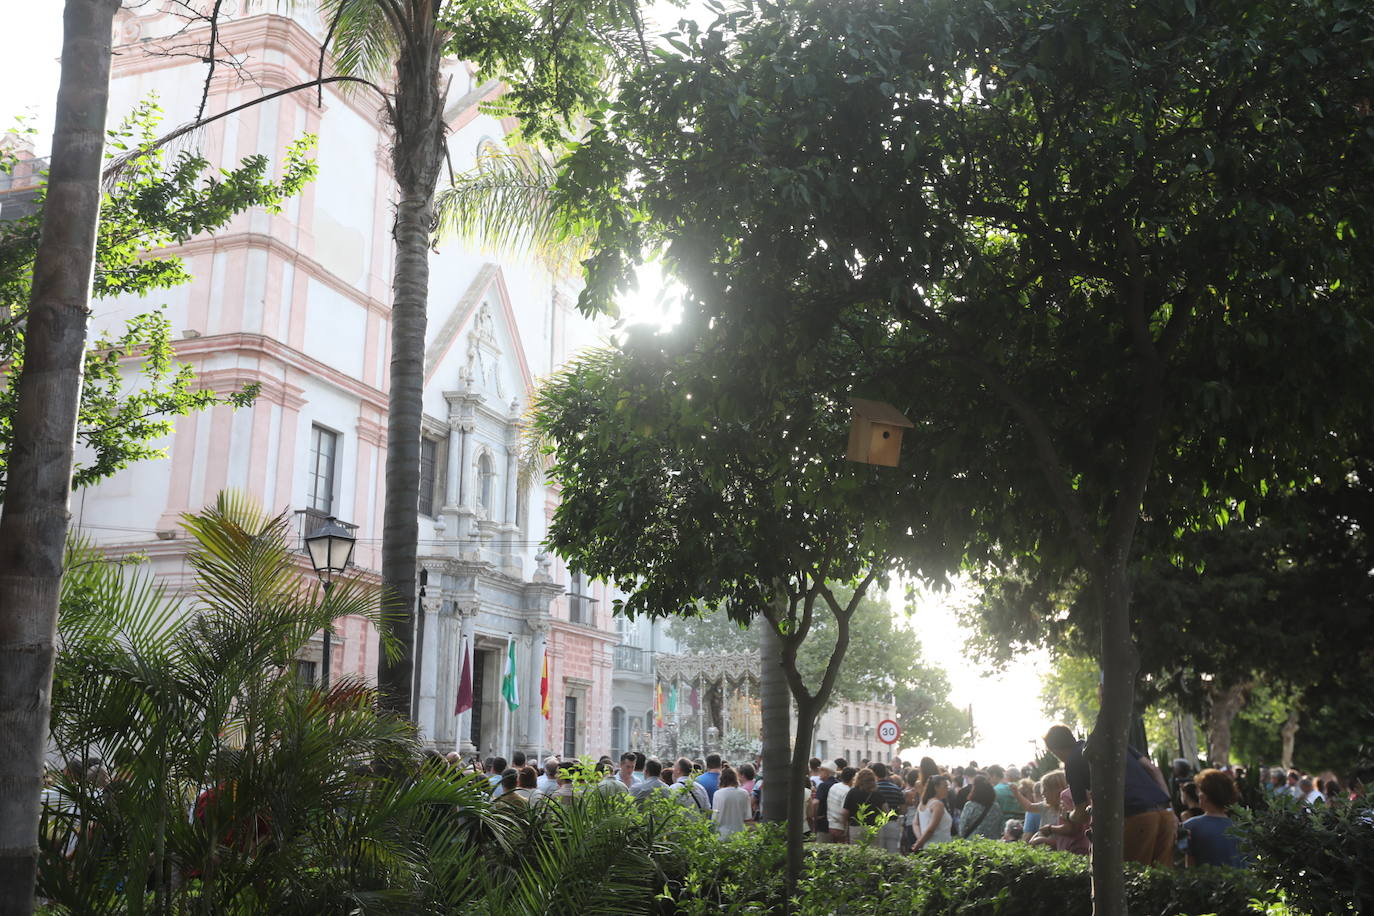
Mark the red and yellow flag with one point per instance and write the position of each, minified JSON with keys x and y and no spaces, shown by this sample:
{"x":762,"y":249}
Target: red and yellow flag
{"x":544,"y":688}
{"x":658,"y":705}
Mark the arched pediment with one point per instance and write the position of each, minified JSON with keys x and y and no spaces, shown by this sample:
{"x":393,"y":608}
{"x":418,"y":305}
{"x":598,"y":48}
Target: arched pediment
{"x":482,"y":329}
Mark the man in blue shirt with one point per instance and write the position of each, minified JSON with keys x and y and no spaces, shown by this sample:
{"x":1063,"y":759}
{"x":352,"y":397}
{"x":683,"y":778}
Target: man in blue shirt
{"x":710,"y":780}
{"x":891,"y":799}
{"x":1150,"y":826}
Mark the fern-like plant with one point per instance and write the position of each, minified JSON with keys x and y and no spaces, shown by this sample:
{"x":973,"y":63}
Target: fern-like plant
{"x":226,"y":785}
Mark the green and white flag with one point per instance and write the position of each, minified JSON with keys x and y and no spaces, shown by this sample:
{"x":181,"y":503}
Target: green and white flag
{"x":510,"y":684}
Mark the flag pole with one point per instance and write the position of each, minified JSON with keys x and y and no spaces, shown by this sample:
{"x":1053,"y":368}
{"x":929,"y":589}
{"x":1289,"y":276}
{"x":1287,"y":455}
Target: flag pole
{"x":510,"y":645}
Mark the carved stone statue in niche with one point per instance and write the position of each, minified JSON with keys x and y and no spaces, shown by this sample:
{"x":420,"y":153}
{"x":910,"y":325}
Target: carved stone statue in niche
{"x":483,"y":353}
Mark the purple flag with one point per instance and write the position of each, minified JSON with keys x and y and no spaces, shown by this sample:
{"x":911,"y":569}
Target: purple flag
{"x":694,"y":700}
{"x":464,"y":684}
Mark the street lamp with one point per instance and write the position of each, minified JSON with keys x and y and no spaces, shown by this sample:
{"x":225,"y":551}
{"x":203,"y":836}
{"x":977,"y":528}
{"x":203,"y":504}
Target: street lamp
{"x":331,"y":552}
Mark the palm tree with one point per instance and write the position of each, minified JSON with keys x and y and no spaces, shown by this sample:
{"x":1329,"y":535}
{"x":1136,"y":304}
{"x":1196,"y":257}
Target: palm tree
{"x":401,"y":43}
{"x":301,"y":800}
{"x":33,"y":525}
{"x":555,"y":54}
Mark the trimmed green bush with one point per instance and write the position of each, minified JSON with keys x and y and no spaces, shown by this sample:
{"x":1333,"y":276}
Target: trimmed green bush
{"x":1322,"y":858}
{"x":975,"y":878}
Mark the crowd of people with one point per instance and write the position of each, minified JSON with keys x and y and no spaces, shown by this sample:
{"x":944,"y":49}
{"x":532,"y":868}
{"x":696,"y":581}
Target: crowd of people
{"x":1179,"y":818}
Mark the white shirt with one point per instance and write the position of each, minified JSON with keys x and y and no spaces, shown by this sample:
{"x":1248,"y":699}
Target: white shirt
{"x":547,"y":784}
{"x":834,"y":806}
{"x":691,"y":795}
{"x":924,"y":816}
{"x":730,"y":809}
{"x":1311,"y":798}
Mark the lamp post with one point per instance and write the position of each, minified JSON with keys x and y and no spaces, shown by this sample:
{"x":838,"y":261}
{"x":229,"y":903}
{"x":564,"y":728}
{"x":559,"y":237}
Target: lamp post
{"x":331,"y":552}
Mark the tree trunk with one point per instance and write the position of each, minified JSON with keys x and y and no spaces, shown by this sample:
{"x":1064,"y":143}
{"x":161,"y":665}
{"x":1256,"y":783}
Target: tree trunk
{"x":1289,"y":731}
{"x":775,"y":709}
{"x":796,"y":804}
{"x":1107,"y":746}
{"x":33,"y":523}
{"x":417,"y":154}
{"x":1187,"y":736}
{"x":1224,"y":704}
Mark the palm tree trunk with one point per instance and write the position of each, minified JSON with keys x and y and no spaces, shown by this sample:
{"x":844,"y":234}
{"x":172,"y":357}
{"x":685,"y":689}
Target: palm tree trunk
{"x":775,"y":702}
{"x":33,"y":526}
{"x":417,"y":155}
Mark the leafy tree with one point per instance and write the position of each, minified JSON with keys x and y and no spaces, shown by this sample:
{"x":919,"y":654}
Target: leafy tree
{"x":1246,"y":619}
{"x":33,"y":521}
{"x":884,"y":659}
{"x":677,"y":502}
{"x":1013,"y":215}
{"x":153,"y":204}
{"x":58,"y":391}
{"x":706,"y":634}
{"x":1068,"y":691}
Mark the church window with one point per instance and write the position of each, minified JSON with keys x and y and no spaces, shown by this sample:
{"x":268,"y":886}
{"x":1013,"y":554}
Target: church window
{"x":619,"y":743}
{"x":324,"y":450}
{"x":429,"y":476}
{"x":486,"y":480}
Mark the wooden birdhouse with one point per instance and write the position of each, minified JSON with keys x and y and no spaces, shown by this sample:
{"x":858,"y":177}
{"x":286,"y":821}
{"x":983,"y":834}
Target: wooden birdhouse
{"x":875,"y":433}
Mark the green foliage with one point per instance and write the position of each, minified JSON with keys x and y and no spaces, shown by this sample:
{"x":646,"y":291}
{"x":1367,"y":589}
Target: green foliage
{"x":601,"y":853}
{"x":708,"y":633}
{"x":743,"y":875}
{"x":1068,"y":691}
{"x":1319,"y":857}
{"x":153,"y":203}
{"x":967,"y":877}
{"x":1011,"y":210}
{"x":503,"y":203}
{"x":321,"y":803}
{"x":318,"y":802}
{"x":686,"y":505}
{"x":884,"y":658}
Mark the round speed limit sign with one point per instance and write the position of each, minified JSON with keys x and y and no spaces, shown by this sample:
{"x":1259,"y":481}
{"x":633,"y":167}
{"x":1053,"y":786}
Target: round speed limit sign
{"x":888,"y":732}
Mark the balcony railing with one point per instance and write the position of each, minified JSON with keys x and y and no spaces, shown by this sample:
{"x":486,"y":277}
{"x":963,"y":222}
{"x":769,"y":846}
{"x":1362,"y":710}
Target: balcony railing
{"x":582,"y":609}
{"x":308,"y":521}
{"x":630,"y":658}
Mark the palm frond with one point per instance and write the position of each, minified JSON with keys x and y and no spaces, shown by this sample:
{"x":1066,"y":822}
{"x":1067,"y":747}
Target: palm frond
{"x":505,"y":204}
{"x":367,"y":36}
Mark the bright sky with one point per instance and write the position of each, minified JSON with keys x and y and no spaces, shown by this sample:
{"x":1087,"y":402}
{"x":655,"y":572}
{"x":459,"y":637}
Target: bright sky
{"x":1006,"y":706}
{"x":29,"y":47}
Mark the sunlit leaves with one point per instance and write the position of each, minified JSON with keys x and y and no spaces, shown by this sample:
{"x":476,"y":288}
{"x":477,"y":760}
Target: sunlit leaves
{"x":156,"y":201}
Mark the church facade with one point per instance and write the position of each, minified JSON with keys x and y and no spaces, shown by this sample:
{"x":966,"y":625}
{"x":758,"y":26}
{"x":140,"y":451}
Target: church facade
{"x":298,"y":304}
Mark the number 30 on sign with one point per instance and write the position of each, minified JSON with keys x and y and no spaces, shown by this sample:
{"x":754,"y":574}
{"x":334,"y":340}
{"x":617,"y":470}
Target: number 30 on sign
{"x":888,"y":732}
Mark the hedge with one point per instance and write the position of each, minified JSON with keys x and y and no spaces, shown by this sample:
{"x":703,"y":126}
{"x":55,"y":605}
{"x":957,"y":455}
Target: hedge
{"x":971,"y":878}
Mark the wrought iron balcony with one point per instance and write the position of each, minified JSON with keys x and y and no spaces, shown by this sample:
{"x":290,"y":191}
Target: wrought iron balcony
{"x":309,"y":521}
{"x":630,"y":658}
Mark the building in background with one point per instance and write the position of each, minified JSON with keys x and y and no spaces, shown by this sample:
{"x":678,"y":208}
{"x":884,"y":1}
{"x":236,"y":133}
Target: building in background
{"x":849,"y":729}
{"x":298,"y":304}
{"x":634,"y":676}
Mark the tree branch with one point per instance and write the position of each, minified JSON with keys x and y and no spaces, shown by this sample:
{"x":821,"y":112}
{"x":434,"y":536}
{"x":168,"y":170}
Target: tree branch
{"x":1051,"y":465}
{"x":116,"y":166}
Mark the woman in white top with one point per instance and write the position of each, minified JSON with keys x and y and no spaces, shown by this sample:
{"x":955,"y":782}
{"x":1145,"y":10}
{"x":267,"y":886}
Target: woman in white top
{"x":932,"y":820}
{"x":731,"y":808}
